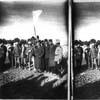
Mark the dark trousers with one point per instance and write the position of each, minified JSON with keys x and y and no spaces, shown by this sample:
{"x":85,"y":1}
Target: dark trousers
{"x":11,"y":59}
{"x":2,"y":64}
{"x":79,"y":63}
{"x":46,"y":63}
{"x":88,"y":62}
{"x":37,"y":62}
{"x":42,"y":64}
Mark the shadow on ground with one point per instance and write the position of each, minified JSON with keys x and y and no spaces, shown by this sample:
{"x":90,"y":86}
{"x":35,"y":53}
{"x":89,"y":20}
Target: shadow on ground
{"x":30,"y":88}
{"x":88,"y":91}
{"x":82,"y":69}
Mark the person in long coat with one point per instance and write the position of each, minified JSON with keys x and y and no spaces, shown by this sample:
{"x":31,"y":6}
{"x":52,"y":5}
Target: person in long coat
{"x":79,"y":57}
{"x":28,"y":53}
{"x":87,"y":56}
{"x":43,"y":56}
{"x":5,"y":50}
{"x":58,"y":57}
{"x":51,"y":55}
{"x":23,"y":55}
{"x":2,"y":55}
{"x":46,"y":51}
{"x":93,"y":53}
{"x":11,"y":54}
{"x":17,"y":53}
{"x":38,"y":53}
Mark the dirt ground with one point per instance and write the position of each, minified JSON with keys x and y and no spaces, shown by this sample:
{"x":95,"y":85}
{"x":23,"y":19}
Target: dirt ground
{"x":25,"y":84}
{"x":87,"y":84}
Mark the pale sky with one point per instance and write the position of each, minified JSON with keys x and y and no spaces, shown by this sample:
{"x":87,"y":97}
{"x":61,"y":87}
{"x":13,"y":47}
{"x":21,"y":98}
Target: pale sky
{"x":17,"y":20}
{"x":37,"y":1}
{"x":87,"y":21}
{"x":86,"y":1}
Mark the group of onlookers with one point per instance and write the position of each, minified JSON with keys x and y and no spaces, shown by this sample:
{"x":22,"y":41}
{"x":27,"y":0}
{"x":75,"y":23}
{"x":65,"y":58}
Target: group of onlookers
{"x":87,"y":54}
{"x":42,"y":55}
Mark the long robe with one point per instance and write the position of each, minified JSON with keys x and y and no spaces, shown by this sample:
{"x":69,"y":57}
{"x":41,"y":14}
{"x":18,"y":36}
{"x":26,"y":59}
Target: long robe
{"x":51,"y":56}
{"x":38,"y":52}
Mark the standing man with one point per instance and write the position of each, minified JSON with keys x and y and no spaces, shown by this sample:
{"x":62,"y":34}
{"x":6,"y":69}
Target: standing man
{"x":79,"y":56}
{"x":38,"y":53}
{"x":93,"y":53}
{"x":23,"y":55}
{"x":3,"y":51}
{"x":29,"y":53}
{"x":11,"y":54}
{"x":87,"y":56}
{"x":17,"y":53}
{"x":58,"y":57}
{"x":46,"y":51}
{"x":51,"y":56}
{"x":98,"y":56}
{"x":42,"y":56}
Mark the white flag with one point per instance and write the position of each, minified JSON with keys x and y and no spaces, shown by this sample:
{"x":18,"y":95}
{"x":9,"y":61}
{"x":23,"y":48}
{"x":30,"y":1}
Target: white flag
{"x":36,"y":15}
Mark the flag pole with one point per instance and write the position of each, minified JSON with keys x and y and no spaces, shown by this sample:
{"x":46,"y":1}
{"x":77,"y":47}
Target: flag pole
{"x":35,"y":30}
{"x":36,"y":15}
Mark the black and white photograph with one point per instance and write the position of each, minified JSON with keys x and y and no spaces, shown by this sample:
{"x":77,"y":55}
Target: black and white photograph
{"x":86,"y":47}
{"x":34,"y":48}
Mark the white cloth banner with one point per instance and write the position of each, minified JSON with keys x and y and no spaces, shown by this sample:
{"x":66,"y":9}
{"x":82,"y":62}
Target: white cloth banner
{"x":36,"y":15}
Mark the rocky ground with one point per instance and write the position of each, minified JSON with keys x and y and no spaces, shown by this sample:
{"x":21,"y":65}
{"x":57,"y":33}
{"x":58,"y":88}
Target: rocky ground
{"x":87,"y":84}
{"x":25,"y":84}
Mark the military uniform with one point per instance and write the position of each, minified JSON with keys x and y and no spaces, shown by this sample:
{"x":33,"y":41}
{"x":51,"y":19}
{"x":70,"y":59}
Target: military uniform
{"x":79,"y":57}
{"x":58,"y":59}
{"x":38,"y":53}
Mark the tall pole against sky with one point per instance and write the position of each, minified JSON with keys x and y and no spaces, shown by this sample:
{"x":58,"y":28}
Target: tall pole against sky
{"x":36,"y":15}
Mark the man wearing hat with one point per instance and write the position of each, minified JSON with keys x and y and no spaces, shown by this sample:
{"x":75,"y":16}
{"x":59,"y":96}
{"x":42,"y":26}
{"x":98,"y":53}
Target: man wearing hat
{"x":79,"y":56}
{"x":11,"y":53}
{"x":38,"y":53}
{"x":17,"y":53}
{"x":29,"y":53}
{"x":3,"y":51}
{"x":58,"y":57}
{"x":51,"y":56}
{"x":46,"y":56}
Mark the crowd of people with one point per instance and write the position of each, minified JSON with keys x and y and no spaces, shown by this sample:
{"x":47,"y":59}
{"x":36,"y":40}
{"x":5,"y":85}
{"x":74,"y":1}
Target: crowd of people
{"x":41,"y":55}
{"x":87,"y":53}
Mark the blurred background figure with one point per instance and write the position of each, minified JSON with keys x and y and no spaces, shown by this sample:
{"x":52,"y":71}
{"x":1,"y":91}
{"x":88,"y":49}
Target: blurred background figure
{"x":98,"y":56}
{"x":78,"y":56}
{"x":11,"y":54}
{"x":3,"y":51}
{"x":87,"y":56}
{"x":23,"y":55}
{"x":29,"y":54}
{"x":93,"y":53}
{"x":17,"y":54}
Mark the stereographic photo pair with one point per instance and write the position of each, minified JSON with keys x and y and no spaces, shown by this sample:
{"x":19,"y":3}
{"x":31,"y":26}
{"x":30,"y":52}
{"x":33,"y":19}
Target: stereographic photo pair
{"x":49,"y":49}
